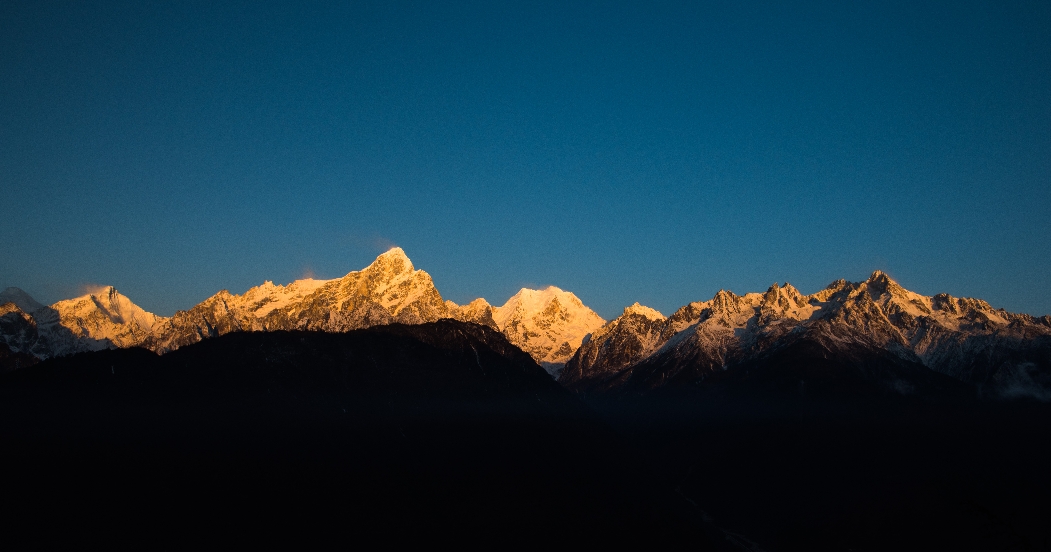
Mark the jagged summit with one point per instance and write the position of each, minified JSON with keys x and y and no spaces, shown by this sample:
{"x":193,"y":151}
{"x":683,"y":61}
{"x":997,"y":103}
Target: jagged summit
{"x":549,"y":324}
{"x":874,"y":319}
{"x":388,"y":290}
{"x":960,"y":337}
{"x":879,"y":275}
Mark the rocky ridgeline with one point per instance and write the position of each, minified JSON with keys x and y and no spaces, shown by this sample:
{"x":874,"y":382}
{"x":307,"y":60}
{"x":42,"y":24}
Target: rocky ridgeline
{"x":876,"y":328}
{"x":548,"y":324}
{"x":876,"y":331}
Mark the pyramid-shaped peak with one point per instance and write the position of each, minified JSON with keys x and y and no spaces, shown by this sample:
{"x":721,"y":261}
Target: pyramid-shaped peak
{"x":479,"y":303}
{"x":882,"y":282}
{"x":394,"y":252}
{"x":394,"y":260}
{"x":881,"y":277}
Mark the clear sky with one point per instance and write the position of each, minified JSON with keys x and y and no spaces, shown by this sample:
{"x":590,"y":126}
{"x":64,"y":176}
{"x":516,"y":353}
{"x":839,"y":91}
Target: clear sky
{"x":651,"y":152}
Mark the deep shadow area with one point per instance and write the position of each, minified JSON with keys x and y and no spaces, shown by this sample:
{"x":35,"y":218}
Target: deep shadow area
{"x":438,"y":433}
{"x":789,"y":471}
{"x":445,"y":433}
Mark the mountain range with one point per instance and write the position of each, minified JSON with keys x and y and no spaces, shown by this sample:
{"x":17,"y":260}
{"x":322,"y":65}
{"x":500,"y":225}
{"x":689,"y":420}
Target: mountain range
{"x":368,"y":407}
{"x":549,"y":324}
{"x":873,"y":333}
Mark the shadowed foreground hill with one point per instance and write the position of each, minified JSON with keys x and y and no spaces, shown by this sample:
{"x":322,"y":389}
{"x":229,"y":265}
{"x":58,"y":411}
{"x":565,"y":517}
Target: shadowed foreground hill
{"x":405,"y":433}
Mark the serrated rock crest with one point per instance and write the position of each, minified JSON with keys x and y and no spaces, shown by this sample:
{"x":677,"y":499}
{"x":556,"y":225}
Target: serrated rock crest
{"x":963,"y":338}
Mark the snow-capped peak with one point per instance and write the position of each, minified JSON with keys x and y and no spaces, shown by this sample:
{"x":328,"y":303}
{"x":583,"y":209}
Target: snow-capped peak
{"x":108,"y":302}
{"x":642,"y":310}
{"x":394,"y":261}
{"x":549,"y":324}
{"x":533,"y":301}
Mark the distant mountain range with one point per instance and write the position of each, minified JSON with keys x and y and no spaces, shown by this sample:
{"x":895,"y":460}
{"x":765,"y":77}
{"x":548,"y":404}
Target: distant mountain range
{"x":873,"y":334}
{"x":548,"y":324}
{"x":848,"y":334}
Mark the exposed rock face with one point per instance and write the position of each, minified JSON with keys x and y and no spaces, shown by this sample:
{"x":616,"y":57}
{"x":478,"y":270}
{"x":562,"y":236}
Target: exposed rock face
{"x":625,"y":340}
{"x":18,"y":330}
{"x":853,"y":323}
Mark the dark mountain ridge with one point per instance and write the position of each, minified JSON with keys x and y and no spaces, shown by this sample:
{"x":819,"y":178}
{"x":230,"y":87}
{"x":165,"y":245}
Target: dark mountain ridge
{"x":406,"y":433}
{"x":446,"y":433}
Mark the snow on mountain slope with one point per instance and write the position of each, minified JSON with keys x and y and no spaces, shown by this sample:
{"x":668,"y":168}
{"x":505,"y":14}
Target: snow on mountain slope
{"x":261,"y":300}
{"x":388,"y":290}
{"x":967,"y":339}
{"x":963,"y":338}
{"x":549,"y":324}
{"x":478,"y":311}
{"x":630,"y":337}
{"x":98,"y":320}
{"x":105,"y":317}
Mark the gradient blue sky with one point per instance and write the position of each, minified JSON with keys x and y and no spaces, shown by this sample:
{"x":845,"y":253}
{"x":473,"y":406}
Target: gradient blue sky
{"x":623,"y":151}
